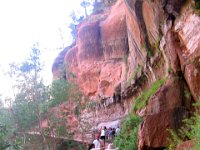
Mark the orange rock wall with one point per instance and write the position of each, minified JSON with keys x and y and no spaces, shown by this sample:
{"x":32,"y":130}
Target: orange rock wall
{"x":119,"y":54}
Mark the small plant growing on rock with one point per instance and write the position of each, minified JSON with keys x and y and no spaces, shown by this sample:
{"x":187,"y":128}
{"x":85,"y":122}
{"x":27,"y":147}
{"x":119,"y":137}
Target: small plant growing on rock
{"x":142,"y":100}
{"x":189,"y":131}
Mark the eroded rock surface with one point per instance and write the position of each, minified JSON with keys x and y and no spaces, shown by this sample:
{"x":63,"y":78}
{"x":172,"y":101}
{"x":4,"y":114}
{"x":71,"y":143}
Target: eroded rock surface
{"x":123,"y":51}
{"x":165,"y":110}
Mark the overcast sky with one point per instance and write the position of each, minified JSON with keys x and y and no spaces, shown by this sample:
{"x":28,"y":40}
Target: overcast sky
{"x":25,"y":22}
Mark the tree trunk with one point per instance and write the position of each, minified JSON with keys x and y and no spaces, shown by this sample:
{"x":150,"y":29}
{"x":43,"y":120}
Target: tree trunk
{"x":85,"y":11}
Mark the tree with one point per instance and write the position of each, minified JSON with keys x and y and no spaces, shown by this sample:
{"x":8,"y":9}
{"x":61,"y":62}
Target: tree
{"x":62,"y":38}
{"x":8,"y":136}
{"x":3,"y":137}
{"x":85,"y":4}
{"x":98,"y":6}
{"x":33,"y":101}
{"x":75,"y":21}
{"x":31,"y":93}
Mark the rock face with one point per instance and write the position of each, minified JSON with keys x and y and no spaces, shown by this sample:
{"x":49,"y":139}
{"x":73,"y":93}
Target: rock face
{"x":189,"y":52}
{"x":120,"y":53}
{"x":165,"y":110}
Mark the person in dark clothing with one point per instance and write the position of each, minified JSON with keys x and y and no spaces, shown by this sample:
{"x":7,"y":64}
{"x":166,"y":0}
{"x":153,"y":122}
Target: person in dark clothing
{"x":113,"y":133}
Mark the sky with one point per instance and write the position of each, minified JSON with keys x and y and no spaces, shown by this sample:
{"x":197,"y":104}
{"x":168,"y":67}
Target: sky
{"x":26,"y":22}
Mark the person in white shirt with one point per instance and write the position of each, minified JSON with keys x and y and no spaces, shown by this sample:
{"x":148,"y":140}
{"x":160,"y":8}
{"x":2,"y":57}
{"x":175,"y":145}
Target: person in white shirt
{"x":103,"y":136}
{"x":117,"y":130}
{"x":97,"y":143}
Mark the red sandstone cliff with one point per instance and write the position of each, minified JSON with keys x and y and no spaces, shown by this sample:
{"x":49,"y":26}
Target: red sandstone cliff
{"x":121,"y":52}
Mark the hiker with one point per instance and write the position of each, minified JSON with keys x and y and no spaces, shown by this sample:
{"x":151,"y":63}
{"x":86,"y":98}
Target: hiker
{"x":103,"y":136}
{"x":96,"y":142}
{"x":109,"y":134}
{"x":117,"y":130}
{"x":113,"y":133}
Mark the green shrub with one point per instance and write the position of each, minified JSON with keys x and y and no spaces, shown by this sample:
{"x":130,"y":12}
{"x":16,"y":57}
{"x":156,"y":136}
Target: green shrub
{"x":196,"y":7}
{"x":3,"y":137}
{"x":174,"y":139}
{"x":142,"y":100}
{"x":127,"y":138}
{"x":8,"y":140}
{"x":189,"y":131}
{"x":195,"y":131}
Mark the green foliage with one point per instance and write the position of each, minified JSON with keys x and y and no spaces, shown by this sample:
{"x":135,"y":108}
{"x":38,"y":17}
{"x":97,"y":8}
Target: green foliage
{"x":150,"y":53}
{"x":127,"y":138}
{"x":75,"y":21}
{"x":30,"y":90}
{"x":3,"y":137}
{"x":174,"y":140}
{"x":8,"y":139}
{"x":67,"y":144}
{"x":61,"y":131}
{"x":190,"y":130}
{"x":33,"y":101}
{"x":196,"y":7}
{"x":6,"y":118}
{"x":182,"y":134}
{"x":58,"y":125}
{"x":85,"y":4}
{"x":59,"y":92}
{"x":25,"y":114}
{"x":98,"y":7}
{"x":142,"y":100}
{"x":195,"y":131}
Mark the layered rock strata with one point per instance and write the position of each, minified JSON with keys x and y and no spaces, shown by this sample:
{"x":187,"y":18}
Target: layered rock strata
{"x":120,"y":53}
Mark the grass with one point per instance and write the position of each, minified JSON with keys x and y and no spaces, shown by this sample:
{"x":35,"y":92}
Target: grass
{"x":142,"y":100}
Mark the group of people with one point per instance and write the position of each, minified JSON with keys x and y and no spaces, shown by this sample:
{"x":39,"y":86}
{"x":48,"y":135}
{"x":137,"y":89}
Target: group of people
{"x":104,"y":135}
